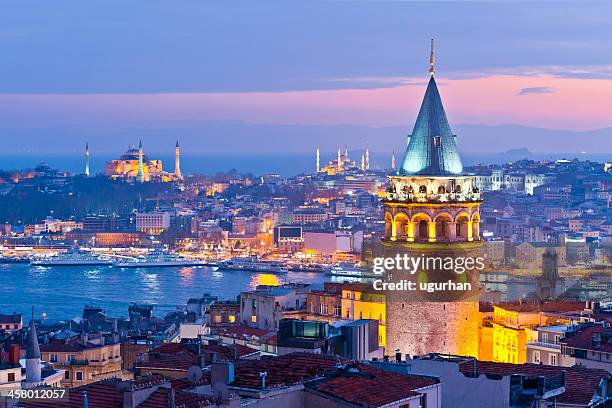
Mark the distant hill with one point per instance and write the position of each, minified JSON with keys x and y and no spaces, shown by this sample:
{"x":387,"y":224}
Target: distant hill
{"x":237,"y":136}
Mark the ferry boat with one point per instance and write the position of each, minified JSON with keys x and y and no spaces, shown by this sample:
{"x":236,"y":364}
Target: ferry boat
{"x":350,"y":269}
{"x":73,"y":258}
{"x":252,"y":264}
{"x":156,"y":259}
{"x":309,"y":268}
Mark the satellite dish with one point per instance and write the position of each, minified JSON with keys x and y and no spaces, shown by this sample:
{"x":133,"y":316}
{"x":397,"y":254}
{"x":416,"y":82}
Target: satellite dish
{"x":194,"y":374}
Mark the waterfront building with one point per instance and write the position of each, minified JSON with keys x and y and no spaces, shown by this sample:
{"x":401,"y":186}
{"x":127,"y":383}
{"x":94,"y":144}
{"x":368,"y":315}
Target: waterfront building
{"x":432,"y":209}
{"x":153,"y":223}
{"x":529,"y":255}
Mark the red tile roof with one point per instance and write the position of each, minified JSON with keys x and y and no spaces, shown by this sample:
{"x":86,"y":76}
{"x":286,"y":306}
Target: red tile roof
{"x":240,"y":332}
{"x":109,"y":394}
{"x":182,"y":399}
{"x":370,"y":387}
{"x":548,"y":307}
{"x":99,"y":395}
{"x":285,"y":370}
{"x":580,"y":383}
{"x":178,"y":356}
{"x":584,"y":339}
{"x":72,"y":346}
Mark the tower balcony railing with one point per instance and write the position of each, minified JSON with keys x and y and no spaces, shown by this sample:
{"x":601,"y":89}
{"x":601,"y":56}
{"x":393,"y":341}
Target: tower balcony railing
{"x":406,"y":197}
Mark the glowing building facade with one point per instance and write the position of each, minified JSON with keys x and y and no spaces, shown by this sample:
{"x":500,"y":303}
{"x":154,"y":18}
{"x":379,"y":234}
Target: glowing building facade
{"x":343,"y":163}
{"x":134,"y":165}
{"x":432,"y":209}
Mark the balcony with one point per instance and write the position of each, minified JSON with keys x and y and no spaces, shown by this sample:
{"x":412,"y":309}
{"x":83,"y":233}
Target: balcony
{"x":76,"y":362}
{"x":544,"y":345}
{"x":406,"y":197}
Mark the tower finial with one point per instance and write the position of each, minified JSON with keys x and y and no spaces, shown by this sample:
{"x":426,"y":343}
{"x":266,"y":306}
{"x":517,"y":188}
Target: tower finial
{"x":432,"y":69}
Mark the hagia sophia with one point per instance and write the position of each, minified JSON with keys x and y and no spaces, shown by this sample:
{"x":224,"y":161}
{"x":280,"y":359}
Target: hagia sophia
{"x":134,"y":165}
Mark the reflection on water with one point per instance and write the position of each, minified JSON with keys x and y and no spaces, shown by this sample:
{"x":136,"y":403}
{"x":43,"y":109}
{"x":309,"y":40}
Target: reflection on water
{"x":62,"y":292}
{"x":186,"y":274}
{"x":269,"y":279}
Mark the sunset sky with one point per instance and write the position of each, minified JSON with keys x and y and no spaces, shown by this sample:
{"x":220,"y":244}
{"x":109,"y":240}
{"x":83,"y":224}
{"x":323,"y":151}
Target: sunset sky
{"x":542,"y":64}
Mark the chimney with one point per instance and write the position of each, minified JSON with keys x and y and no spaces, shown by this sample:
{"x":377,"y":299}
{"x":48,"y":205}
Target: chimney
{"x":171,"y":398}
{"x":14,"y":354}
{"x":398,"y":356}
{"x":128,"y":399}
{"x":597,"y":340}
{"x":221,"y":375}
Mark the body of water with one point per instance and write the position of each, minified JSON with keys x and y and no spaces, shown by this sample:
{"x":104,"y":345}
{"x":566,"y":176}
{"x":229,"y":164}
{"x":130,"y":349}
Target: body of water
{"x":61,"y":292}
{"x":287,"y":165}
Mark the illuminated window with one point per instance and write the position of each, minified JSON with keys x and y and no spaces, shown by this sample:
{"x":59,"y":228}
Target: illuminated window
{"x":253,"y":319}
{"x":232,"y":318}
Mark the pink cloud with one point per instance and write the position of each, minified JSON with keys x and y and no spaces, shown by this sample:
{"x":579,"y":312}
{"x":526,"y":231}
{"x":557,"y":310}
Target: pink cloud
{"x":578,"y":104}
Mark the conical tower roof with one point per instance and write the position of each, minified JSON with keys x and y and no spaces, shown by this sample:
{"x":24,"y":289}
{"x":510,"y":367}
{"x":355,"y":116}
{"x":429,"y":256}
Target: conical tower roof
{"x":432,"y":150}
{"x":33,"y":350}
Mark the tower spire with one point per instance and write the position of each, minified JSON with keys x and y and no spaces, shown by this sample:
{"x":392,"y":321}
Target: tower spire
{"x":33,"y":374}
{"x":177,"y":161}
{"x":140,"y":163}
{"x":87,"y":159}
{"x":363,"y":167}
{"x":432,"y":69}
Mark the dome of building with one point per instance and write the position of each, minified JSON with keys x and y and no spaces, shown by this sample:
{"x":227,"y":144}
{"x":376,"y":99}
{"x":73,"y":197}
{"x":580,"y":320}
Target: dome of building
{"x":508,"y":211}
{"x":132,"y":154}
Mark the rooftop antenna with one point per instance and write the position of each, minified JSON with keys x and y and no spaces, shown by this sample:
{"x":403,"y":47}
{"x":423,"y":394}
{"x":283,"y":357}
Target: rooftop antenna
{"x":432,"y":69}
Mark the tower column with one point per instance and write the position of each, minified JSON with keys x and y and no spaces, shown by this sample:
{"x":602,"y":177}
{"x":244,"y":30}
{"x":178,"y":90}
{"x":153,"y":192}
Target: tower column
{"x":476,"y":228}
{"x":470,"y":237}
{"x":432,"y":231}
{"x":87,"y":159}
{"x":410,"y":232}
{"x":393,"y":230}
{"x":177,"y":161}
{"x":452,"y":231}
